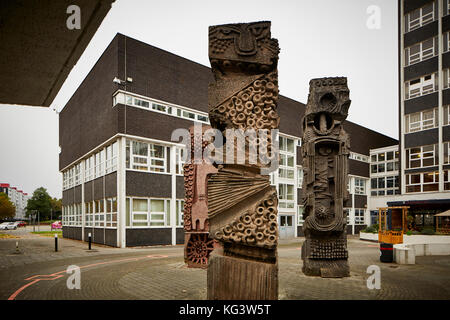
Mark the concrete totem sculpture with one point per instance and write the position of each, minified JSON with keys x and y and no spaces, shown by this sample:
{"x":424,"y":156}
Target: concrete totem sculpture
{"x":242,"y":205}
{"x":325,"y":151}
{"x":197,"y":244}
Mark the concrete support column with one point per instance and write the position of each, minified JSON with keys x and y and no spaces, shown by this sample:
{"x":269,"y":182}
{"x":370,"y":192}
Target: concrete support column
{"x":83,"y":204}
{"x":121,"y":193}
{"x":173,"y":201}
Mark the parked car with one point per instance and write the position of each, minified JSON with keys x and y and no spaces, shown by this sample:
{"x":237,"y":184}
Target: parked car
{"x":21,"y":224}
{"x":3,"y":225}
{"x":57,"y":225}
{"x":8,"y":226}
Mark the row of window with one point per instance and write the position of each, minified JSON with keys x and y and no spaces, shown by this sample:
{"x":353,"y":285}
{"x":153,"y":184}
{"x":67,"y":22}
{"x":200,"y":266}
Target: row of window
{"x":98,"y":213}
{"x":420,"y":17}
{"x":159,"y":107}
{"x":423,"y":182}
{"x":98,"y":164}
{"x":421,"y":86}
{"x":358,"y":157}
{"x":382,"y":186}
{"x":423,"y":156}
{"x":422,"y":120}
{"x":148,"y":212}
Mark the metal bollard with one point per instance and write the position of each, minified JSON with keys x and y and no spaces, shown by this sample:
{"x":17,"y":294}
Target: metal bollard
{"x":56,"y":242}
{"x":17,"y":247}
{"x":90,"y":240}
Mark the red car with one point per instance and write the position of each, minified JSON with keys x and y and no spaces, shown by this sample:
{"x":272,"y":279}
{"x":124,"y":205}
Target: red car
{"x":21,"y":224}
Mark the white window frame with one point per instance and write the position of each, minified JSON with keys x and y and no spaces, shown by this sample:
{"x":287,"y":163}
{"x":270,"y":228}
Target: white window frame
{"x":420,"y":21}
{"x":422,"y":182}
{"x":180,"y":213}
{"x":419,"y":156}
{"x":446,"y":120}
{"x":146,"y":166}
{"x":158,"y":106}
{"x":111,"y":213}
{"x":284,"y":196}
{"x":446,"y":147}
{"x":360,"y":185}
{"x":179,"y":154}
{"x":422,"y":123}
{"x":149,"y":221}
{"x":446,"y":41}
{"x":421,"y":86}
{"x":422,"y":54}
{"x":360,"y":215}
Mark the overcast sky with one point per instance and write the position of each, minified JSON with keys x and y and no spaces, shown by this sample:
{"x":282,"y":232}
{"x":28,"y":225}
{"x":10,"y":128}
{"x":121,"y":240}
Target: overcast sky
{"x":317,"y":38}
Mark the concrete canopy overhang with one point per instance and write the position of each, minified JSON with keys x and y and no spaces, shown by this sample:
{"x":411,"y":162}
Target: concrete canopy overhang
{"x":38,"y":50}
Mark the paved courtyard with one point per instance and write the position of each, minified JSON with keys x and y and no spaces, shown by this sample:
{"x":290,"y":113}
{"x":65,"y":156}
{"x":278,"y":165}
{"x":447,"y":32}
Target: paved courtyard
{"x":37,"y":272}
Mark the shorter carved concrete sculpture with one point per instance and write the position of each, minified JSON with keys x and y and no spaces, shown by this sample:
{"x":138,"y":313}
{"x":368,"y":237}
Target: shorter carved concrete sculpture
{"x":325,"y":151}
{"x":196,"y":225}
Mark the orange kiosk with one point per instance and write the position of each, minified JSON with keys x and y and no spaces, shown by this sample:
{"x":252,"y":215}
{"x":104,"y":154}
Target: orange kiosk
{"x":392,"y":234}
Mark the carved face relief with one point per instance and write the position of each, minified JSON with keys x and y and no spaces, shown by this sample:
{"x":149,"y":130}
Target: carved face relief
{"x":244,"y":42}
{"x":329,"y":95}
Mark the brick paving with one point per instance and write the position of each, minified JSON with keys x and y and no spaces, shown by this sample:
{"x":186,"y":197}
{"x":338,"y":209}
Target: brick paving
{"x":160,"y":273}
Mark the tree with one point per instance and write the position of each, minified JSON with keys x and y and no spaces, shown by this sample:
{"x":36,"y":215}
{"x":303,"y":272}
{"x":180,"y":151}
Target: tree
{"x":7,"y":208}
{"x":57,"y":208}
{"x":41,"y":202}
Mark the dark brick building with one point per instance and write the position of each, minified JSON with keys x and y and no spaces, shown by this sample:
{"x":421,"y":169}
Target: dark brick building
{"x":122,"y":173}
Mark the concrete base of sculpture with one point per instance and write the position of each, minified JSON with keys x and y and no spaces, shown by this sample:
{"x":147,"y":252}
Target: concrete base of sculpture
{"x":326,"y":269}
{"x":231,"y":278}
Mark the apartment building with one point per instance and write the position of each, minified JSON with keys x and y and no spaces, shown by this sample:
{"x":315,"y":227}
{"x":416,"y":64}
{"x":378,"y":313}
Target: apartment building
{"x":18,"y":198}
{"x":424,"y":93}
{"x":122,"y":173}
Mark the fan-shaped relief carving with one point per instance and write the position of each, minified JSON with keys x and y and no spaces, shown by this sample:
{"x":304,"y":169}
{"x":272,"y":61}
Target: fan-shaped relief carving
{"x":228,"y":187}
{"x":255,"y":227}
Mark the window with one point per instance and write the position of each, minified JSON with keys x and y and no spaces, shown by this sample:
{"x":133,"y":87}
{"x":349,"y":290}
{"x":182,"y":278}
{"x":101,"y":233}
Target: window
{"x":89,"y":213}
{"x":421,"y":86}
{"x":179,"y":154}
{"x":423,"y":120}
{"x":300,"y":215}
{"x":145,"y":212}
{"x":384,"y":186}
{"x":446,"y":152}
{"x":286,"y":169}
{"x":111,"y":158}
{"x":99,"y":163}
{"x":359,"y":216}
{"x":161,"y":108}
{"x":299,"y":177}
{"x":425,"y":156}
{"x":180,"y":210}
{"x":447,"y":180}
{"x":99,"y":213}
{"x":446,"y":41}
{"x":358,"y":157}
{"x":111,"y":213}
{"x":421,"y":51}
{"x":145,"y":156}
{"x":419,"y":17}
{"x":360,"y":186}
{"x":446,"y":115}
{"x":286,"y":195}
{"x":287,"y":145}
{"x":422,"y":182}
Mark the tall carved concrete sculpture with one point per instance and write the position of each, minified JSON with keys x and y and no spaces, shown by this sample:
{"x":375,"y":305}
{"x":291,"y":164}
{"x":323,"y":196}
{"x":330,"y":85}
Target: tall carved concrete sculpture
{"x":325,"y":151}
{"x":242,"y":204}
{"x":197,"y":244}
